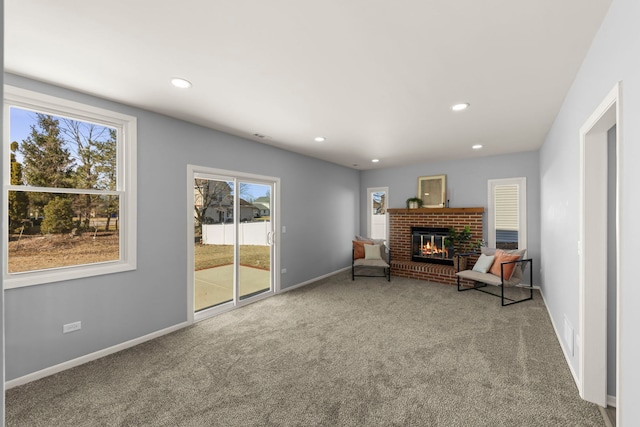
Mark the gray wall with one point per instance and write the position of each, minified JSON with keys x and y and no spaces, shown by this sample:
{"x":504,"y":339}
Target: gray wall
{"x":466,"y":186}
{"x":613,"y":57}
{"x":320,"y":205}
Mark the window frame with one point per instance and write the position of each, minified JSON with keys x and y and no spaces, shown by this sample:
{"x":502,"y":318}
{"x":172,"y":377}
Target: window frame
{"x":370,"y":192}
{"x":126,"y":152}
{"x":521,"y":182}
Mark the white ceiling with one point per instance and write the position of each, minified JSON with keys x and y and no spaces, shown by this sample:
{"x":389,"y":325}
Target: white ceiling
{"x":377,"y":78}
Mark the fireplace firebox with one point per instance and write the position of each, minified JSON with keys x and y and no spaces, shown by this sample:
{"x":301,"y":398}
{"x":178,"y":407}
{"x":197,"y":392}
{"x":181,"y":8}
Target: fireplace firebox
{"x":429,"y":244}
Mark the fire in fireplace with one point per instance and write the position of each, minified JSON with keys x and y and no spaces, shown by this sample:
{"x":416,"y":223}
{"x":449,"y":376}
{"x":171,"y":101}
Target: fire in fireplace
{"x":428,"y":244}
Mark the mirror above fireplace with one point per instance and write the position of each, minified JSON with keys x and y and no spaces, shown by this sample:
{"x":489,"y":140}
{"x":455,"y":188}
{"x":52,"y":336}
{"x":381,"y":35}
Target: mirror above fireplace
{"x":433,"y":191}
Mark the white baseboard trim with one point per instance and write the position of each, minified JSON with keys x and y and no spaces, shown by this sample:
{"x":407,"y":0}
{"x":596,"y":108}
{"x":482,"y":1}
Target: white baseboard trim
{"x":564,"y":351}
{"x":324,"y":276}
{"x":612,"y":401}
{"x":90,"y":357}
{"x":535,"y":287}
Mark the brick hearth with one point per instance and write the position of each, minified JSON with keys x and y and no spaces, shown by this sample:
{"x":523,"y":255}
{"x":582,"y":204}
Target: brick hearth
{"x":400,"y":223}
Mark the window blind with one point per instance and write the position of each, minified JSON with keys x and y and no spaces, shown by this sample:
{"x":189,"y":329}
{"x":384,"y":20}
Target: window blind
{"x":506,"y":207}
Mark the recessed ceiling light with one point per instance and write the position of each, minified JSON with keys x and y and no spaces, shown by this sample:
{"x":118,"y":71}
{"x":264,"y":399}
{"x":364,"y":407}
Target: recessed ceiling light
{"x":460,"y":107}
{"x":375,"y":160}
{"x":477,"y":146}
{"x":320,"y":139}
{"x":181,"y":83}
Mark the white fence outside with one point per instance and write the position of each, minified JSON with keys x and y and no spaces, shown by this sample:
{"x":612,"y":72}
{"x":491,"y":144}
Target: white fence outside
{"x":250,"y":233}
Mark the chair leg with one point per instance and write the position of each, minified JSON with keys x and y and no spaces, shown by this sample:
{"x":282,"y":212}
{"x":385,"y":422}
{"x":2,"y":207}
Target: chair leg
{"x":530,"y":261}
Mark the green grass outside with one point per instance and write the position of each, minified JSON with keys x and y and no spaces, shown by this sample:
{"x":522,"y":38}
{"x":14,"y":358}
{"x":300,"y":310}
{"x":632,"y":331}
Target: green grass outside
{"x":208,"y":256}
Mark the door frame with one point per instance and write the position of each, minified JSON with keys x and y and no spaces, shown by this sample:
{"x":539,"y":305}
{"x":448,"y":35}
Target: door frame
{"x":370,"y":191}
{"x":592,"y":265}
{"x":192,"y":170}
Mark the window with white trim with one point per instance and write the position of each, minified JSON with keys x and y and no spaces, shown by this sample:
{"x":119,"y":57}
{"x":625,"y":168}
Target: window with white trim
{"x":508,"y":213}
{"x":377,"y":218}
{"x":69,"y":189}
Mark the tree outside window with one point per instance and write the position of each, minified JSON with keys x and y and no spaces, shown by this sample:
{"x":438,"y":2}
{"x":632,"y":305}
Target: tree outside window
{"x":66,"y":190}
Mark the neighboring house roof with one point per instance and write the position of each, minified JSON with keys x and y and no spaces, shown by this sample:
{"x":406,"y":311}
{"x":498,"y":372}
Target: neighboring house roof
{"x":261,"y":206}
{"x":245,"y":204}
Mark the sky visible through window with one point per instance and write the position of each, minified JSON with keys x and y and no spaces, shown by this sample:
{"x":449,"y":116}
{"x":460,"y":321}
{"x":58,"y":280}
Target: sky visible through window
{"x":20,"y":128}
{"x":21,"y":121}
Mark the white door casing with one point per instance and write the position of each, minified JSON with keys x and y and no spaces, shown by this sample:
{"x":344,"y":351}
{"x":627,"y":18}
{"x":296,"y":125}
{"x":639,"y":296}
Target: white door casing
{"x":592,"y":265}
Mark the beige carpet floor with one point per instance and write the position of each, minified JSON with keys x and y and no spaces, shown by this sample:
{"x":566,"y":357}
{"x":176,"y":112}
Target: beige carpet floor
{"x":333,"y":353}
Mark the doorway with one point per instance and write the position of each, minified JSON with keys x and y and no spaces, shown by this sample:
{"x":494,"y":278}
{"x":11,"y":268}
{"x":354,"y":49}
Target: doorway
{"x":232,"y":243}
{"x":377,"y":218}
{"x":597,"y":223}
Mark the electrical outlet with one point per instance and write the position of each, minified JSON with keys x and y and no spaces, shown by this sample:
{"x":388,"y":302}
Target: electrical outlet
{"x":283,"y":271}
{"x":71,"y":327}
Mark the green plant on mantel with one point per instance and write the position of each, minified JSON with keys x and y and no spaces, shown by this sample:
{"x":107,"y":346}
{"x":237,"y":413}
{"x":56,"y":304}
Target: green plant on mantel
{"x":414,"y":201}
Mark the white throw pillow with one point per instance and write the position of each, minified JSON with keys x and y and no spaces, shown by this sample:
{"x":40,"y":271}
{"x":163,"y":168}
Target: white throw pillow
{"x":372,"y":252}
{"x":483,"y":264}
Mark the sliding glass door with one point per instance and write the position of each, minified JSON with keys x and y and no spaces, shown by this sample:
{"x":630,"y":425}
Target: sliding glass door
{"x":234,"y":240}
{"x":255,"y":240}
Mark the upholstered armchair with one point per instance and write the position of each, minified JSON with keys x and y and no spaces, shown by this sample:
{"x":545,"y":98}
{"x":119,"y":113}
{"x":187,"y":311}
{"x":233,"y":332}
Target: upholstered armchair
{"x":370,"y":258}
{"x":501,"y":268}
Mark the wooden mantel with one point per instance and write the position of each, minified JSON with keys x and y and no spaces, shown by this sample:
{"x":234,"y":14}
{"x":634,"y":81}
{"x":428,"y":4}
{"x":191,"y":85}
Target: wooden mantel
{"x":437,"y":210}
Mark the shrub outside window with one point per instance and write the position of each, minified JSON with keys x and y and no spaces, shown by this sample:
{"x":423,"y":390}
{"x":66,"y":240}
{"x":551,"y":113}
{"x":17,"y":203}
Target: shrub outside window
{"x":69,"y":190}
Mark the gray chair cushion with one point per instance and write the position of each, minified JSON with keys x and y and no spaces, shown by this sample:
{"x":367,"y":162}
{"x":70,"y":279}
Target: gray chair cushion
{"x":361,"y":262}
{"x":489,"y":279}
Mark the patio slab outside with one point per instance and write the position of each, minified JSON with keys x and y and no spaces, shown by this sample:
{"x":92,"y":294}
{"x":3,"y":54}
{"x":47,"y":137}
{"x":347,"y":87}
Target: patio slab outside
{"x":215,"y":285}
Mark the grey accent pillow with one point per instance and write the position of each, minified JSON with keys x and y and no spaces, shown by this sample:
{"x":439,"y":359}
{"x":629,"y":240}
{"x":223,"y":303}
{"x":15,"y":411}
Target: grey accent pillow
{"x":483,"y":264}
{"x":492,"y":251}
{"x":369,"y":239}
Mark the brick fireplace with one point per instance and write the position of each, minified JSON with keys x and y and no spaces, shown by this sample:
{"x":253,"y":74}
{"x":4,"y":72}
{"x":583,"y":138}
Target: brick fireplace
{"x":400,"y":223}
